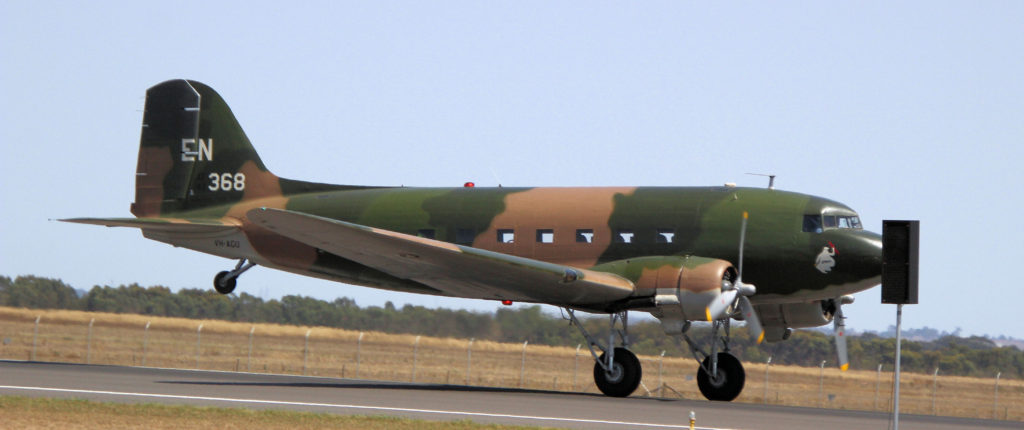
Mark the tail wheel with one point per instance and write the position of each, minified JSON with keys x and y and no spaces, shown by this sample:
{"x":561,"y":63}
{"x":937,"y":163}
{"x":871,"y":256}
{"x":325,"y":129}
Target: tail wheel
{"x":727,"y":383}
{"x":624,"y":376}
{"x":223,"y":283}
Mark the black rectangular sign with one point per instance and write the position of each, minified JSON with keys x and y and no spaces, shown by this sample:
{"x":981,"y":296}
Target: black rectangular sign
{"x":899,"y":261}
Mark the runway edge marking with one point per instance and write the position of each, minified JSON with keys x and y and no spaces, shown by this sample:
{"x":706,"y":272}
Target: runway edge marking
{"x":342,"y":406}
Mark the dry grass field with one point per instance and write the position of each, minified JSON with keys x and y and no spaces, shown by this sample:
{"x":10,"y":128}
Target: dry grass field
{"x":179,"y":343}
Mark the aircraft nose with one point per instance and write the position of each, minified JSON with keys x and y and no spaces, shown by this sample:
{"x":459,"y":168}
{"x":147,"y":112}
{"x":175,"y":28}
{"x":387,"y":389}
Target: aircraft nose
{"x":866,"y":249}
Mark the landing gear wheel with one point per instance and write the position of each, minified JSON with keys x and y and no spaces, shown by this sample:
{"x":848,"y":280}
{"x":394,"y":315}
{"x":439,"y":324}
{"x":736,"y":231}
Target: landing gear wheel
{"x":222,"y":285}
{"x":729,"y":382}
{"x":624,"y":377}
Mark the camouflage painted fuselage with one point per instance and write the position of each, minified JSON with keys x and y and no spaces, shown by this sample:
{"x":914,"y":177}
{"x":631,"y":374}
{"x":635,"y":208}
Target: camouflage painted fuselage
{"x":199,"y":177}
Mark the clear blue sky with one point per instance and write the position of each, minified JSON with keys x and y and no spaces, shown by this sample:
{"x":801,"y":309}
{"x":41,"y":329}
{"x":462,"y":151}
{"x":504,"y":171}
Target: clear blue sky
{"x":902,"y":110}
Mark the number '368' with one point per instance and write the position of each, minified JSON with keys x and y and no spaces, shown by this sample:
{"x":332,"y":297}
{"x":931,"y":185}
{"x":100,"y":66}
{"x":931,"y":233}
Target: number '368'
{"x":227,"y":182}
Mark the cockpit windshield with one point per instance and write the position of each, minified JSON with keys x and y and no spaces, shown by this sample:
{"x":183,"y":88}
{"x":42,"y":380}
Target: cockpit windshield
{"x":818,"y":223}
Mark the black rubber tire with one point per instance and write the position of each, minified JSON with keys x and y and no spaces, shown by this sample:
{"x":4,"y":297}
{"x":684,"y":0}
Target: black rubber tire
{"x":730,"y":383}
{"x":629,"y":378}
{"x":228,"y":286}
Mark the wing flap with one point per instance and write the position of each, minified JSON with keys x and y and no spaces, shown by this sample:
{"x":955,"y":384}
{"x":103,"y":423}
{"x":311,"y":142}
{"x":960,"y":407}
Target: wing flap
{"x":458,"y":270}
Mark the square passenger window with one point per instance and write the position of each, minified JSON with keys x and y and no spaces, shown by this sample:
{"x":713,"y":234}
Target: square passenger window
{"x":545,"y":235}
{"x":506,"y":235}
{"x":584,"y":235}
{"x":623,"y":235}
{"x":465,"y":236}
{"x":666,"y":235}
{"x":427,"y":233}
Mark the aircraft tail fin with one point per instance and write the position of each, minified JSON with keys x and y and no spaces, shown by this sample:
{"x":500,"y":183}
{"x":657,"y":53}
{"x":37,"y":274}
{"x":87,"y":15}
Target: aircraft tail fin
{"x":193,"y":153}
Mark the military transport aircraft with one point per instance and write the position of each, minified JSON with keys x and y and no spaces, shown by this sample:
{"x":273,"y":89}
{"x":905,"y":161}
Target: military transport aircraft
{"x":681,"y":254}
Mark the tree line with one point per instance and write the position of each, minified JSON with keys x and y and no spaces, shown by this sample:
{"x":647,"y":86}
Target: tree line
{"x":952,"y":355}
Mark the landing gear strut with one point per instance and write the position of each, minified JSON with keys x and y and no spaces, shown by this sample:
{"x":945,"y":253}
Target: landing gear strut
{"x":224,"y":282}
{"x":721,"y":376}
{"x":617,"y":371}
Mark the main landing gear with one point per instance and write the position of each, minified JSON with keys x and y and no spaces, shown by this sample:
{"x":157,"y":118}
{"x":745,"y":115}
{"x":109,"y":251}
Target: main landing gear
{"x":721,"y":376}
{"x":617,"y":371}
{"x":224,"y":282}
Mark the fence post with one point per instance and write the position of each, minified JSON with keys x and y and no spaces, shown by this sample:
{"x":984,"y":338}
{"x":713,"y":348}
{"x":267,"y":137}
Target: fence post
{"x":995,"y":400}
{"x":35,"y":335}
{"x":88,"y":343}
{"x":248,"y":358}
{"x":522,"y":366}
{"x":821,"y":386}
{"x":469,"y":359}
{"x":145,"y":343}
{"x":661,"y":384}
{"x":415,"y":356}
{"x":305,"y":351}
{"x":878,"y":381}
{"x":199,"y":336}
{"x":359,"y":353}
{"x":935,"y":381}
{"x":576,"y":366}
{"x":766,"y":367}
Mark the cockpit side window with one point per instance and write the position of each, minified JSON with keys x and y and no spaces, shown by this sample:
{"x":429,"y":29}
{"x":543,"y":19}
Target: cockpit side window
{"x":828,"y":222}
{"x":812,"y":223}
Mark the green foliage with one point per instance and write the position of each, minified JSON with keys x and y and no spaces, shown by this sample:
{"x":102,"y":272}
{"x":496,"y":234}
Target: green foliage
{"x":952,"y":355}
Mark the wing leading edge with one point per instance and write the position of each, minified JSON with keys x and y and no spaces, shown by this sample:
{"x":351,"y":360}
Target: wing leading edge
{"x":457,"y":270}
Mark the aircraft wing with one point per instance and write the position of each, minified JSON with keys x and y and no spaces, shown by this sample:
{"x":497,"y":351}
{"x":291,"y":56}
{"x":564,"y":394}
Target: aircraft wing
{"x":162,"y":224}
{"x":461,"y":271}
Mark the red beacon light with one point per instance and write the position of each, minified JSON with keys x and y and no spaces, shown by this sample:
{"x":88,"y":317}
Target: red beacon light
{"x":506,"y":302}
{"x":468,"y":185}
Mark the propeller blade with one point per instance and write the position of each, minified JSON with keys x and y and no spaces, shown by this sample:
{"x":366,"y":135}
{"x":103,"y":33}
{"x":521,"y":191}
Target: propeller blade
{"x":840,"y":329}
{"x":750,"y":316}
{"x":743,"y":237}
{"x":721,"y":304}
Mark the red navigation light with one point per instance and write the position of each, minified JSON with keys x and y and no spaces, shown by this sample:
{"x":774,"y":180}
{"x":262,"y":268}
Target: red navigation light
{"x":506,"y":302}
{"x":469,"y":185}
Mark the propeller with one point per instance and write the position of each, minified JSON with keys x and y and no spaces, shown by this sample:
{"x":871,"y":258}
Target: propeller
{"x":733,"y":292}
{"x":839,"y":325}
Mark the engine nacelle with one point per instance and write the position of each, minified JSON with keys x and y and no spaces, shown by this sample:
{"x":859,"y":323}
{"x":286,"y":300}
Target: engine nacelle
{"x":675,"y":289}
{"x":779,"y":318}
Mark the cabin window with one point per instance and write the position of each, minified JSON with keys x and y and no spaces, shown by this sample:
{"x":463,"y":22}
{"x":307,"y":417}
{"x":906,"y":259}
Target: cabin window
{"x":584,"y":235}
{"x":623,"y":235}
{"x":426,"y":233}
{"x":465,"y":236}
{"x":665,"y":235}
{"x":812,"y":223}
{"x":506,"y":235}
{"x":545,"y":235}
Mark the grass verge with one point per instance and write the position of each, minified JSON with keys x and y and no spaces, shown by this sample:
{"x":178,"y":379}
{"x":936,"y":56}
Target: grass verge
{"x":21,"y":412}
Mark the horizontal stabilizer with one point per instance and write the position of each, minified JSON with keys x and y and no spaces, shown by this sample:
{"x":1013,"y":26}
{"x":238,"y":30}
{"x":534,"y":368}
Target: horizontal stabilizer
{"x":162,"y":224}
{"x":457,"y":270}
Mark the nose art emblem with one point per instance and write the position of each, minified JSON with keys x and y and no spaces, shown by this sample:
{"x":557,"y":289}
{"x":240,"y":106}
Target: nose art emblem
{"x":826,"y":259}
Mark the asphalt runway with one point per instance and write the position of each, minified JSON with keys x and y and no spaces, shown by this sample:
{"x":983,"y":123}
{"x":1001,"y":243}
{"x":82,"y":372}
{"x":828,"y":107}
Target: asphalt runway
{"x":431,"y":401}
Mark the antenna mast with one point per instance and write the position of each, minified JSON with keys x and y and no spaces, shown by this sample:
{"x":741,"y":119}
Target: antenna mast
{"x":771,"y":179}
